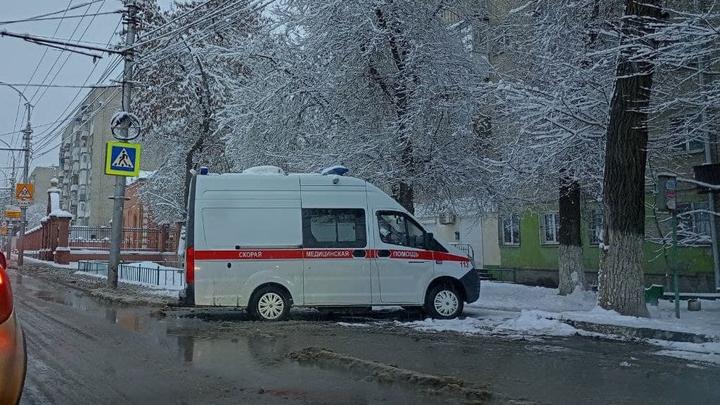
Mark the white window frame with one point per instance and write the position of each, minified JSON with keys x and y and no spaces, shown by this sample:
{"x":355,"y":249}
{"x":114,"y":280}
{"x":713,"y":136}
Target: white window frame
{"x":678,"y":124}
{"x":514,"y":218}
{"x":596,"y":235}
{"x":695,"y":219}
{"x":556,"y":228}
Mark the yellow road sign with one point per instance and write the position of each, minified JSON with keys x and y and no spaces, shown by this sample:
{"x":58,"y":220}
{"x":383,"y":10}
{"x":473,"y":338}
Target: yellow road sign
{"x":13,"y":214}
{"x":122,"y":159}
{"x":24,"y":192}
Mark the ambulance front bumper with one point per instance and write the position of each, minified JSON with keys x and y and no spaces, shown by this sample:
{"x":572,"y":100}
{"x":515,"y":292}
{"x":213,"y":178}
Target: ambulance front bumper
{"x":471,"y":284}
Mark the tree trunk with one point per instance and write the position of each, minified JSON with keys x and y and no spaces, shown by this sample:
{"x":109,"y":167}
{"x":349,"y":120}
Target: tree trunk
{"x":570,"y":267}
{"x":402,"y":190}
{"x":403,"y":194}
{"x":620,"y":279}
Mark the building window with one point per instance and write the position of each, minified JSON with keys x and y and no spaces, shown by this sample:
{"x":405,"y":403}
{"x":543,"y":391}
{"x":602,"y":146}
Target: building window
{"x":596,"y":227}
{"x":334,"y":228}
{"x":688,"y":138}
{"x":550,"y":228}
{"x":693,"y":223}
{"x":511,"y":230}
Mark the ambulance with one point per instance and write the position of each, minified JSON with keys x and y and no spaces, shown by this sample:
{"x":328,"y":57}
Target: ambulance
{"x":267,"y":241}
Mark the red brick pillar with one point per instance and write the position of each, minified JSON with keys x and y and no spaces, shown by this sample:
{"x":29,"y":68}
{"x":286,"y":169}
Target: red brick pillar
{"x":43,"y":239}
{"x":62,"y":250}
{"x":162,"y":239}
{"x":52,"y":237}
{"x":45,"y":255}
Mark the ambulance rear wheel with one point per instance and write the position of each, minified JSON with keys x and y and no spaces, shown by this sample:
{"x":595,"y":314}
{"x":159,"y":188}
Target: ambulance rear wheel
{"x":269,"y":304}
{"x":443,"y":302}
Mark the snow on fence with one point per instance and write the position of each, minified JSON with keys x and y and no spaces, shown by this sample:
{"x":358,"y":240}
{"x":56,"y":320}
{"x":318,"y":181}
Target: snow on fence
{"x":144,"y":273}
{"x":98,"y":237}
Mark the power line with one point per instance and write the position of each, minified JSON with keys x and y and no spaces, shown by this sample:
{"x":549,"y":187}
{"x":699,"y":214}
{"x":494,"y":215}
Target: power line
{"x":60,"y":18}
{"x":185,"y":27}
{"x":42,"y":58}
{"x":176,"y":48}
{"x":57,"y":59}
{"x":47,"y":124}
{"x":67,"y":8}
{"x":65,"y":86}
{"x":68,"y":56}
{"x":45,"y":137}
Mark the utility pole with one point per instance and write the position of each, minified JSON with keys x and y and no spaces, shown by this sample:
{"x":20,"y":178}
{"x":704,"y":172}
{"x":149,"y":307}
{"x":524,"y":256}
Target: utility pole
{"x":11,"y":199}
{"x":27,"y":133}
{"x":119,"y":195}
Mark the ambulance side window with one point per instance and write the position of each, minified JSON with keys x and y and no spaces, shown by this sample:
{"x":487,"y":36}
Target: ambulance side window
{"x":334,"y":228}
{"x":396,"y":228}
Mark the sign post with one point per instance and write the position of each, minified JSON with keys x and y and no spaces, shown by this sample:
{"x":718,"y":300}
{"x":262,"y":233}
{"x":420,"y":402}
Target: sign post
{"x":667,"y":201}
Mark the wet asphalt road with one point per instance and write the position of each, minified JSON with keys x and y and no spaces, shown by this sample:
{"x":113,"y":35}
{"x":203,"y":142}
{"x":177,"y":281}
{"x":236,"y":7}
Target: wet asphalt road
{"x":85,"y":351}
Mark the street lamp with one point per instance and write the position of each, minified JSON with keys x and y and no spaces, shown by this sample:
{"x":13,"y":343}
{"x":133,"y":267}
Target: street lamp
{"x":27,"y":132}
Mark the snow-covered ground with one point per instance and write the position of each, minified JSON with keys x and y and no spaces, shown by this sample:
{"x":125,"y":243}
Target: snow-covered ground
{"x":581,"y":306}
{"x":518,"y":311}
{"x":71,"y":265}
{"x":168,"y":285}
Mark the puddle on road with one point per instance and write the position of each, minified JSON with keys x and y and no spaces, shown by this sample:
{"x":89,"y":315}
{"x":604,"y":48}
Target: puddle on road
{"x":254,"y":360}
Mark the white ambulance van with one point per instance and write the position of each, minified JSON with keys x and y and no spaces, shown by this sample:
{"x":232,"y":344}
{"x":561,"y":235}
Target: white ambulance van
{"x":267,"y":241}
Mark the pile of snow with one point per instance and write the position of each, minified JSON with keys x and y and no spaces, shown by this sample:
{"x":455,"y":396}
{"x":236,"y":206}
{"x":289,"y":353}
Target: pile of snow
{"x":522,"y":311}
{"x":534,"y":323}
{"x":528,"y":323}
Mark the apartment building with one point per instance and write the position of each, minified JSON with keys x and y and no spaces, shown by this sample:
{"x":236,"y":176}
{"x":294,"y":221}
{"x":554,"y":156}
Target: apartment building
{"x":85,"y":187}
{"x":40,"y":177}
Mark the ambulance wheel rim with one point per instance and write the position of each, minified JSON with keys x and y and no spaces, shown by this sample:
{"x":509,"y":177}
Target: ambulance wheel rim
{"x":446,"y":303}
{"x":271,"y":305}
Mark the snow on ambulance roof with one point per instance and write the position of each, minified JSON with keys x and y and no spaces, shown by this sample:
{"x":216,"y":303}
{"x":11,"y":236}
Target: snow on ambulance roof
{"x":264,"y":170}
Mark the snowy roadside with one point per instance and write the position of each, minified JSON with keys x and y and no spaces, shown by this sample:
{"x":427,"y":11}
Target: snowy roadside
{"x":67,"y":275}
{"x":522,"y":312}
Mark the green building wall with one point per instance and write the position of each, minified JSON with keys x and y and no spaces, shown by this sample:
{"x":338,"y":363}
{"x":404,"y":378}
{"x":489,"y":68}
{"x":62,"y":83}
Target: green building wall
{"x":531,"y":254}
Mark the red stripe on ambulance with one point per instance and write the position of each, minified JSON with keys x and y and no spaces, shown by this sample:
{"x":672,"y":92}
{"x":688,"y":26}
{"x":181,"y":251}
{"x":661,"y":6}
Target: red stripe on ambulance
{"x":319,"y":254}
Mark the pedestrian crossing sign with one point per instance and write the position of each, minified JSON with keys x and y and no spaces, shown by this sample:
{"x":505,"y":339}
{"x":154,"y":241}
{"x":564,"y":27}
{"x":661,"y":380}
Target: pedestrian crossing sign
{"x":122,"y":159}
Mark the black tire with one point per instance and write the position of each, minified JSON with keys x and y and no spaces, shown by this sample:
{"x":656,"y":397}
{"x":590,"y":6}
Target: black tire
{"x":449,"y":302}
{"x":269,"y":304}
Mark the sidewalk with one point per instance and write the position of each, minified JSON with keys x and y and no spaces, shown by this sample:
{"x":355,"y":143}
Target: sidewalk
{"x":519,"y":311}
{"x":68,"y":275}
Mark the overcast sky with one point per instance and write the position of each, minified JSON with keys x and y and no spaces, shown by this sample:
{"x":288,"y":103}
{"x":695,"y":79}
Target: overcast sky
{"x":19,"y":59}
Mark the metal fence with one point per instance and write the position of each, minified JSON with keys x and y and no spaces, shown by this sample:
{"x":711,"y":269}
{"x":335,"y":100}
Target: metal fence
{"x":466,"y":249}
{"x":154,"y":275}
{"x":98,"y":237}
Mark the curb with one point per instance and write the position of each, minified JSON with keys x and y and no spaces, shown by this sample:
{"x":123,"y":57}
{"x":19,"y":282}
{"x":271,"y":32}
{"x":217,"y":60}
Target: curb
{"x":640,"y":333}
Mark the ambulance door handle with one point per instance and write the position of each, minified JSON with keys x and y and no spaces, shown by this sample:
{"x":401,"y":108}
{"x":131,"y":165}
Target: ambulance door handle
{"x":417,"y":261}
{"x":383,"y":253}
{"x":359,"y":253}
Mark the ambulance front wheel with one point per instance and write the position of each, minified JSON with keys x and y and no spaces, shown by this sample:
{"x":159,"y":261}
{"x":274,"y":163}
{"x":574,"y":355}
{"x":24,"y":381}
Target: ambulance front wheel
{"x":269,"y":303}
{"x":443,"y":302}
